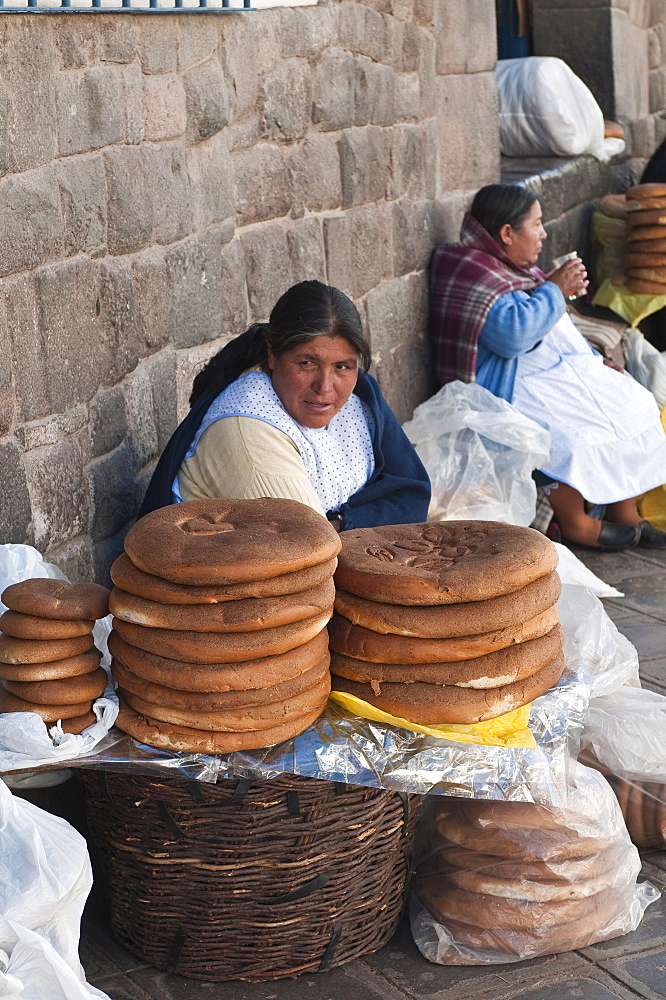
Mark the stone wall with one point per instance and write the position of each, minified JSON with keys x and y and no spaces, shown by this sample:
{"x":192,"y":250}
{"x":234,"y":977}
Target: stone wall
{"x":164,"y":179}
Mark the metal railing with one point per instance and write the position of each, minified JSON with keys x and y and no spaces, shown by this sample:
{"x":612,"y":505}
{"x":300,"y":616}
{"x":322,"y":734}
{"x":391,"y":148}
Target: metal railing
{"x":124,"y":6}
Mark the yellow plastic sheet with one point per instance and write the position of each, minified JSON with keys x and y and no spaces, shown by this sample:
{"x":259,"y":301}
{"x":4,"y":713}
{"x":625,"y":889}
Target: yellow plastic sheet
{"x":631,"y":306}
{"x":508,"y":730}
{"x":652,"y":505}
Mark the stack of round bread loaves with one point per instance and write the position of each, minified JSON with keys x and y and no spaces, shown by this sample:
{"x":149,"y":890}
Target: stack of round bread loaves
{"x":645,"y":259}
{"x":48,"y":661}
{"x":515,"y":879}
{"x":447,"y":622}
{"x":219,"y":640}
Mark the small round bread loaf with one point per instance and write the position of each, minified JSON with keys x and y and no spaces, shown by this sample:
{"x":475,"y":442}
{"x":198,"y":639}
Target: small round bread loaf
{"x":647,"y":217}
{"x":645,"y":260}
{"x":204,"y":542}
{"x":647,"y":204}
{"x":59,"y":599}
{"x":614,"y":205}
{"x":216,"y":647}
{"x":49,"y":713}
{"x":648,"y":246}
{"x":514,"y":663}
{"x":249,"y":675}
{"x":248,"y":615}
{"x":237,"y":720}
{"x":159,"y":694}
{"x":129,"y":578}
{"x":443,"y":562}
{"x":166,"y":736}
{"x":635,"y":233}
{"x":656,"y":274}
{"x":73,"y":666}
{"x":31,"y":627}
{"x":432,"y":704}
{"x":641,"y":191}
{"x":41,"y":650}
{"x":646,"y":287}
{"x":78,"y":723}
{"x":612,"y":130}
{"x":364,"y":644}
{"x":451,"y":620}
{"x":75,"y":690}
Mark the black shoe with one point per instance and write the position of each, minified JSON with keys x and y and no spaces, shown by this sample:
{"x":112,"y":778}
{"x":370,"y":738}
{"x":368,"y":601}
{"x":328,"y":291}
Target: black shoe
{"x":613,"y":537}
{"x":651,"y":537}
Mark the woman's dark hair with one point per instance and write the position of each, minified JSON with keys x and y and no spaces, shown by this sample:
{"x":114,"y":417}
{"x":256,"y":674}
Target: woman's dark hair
{"x":497,"y":204}
{"x":309,"y":309}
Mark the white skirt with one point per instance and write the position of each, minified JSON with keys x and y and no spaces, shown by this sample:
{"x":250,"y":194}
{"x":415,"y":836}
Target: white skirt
{"x":607,"y":441}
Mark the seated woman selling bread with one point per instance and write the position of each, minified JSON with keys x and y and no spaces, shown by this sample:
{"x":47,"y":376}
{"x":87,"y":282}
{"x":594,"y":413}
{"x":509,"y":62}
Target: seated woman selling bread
{"x":287,"y":409}
{"x":497,"y":319}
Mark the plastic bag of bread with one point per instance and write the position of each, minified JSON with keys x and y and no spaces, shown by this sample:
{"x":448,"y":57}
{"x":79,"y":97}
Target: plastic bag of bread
{"x":479,"y":452}
{"x":506,"y":881}
{"x":625,"y":738}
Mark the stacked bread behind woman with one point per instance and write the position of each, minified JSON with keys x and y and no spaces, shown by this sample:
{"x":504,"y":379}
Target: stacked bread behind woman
{"x":219,"y":639}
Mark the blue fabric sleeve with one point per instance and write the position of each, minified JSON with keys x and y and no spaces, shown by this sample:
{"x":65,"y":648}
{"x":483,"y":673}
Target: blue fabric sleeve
{"x":517,"y":321}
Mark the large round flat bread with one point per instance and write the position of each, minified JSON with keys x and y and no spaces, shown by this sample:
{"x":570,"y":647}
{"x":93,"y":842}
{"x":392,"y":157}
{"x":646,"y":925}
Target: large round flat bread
{"x":216,"y":647}
{"x":166,"y":736}
{"x":644,"y":205}
{"x":644,"y":287}
{"x":204,"y":542}
{"x":444,"y":562}
{"x":41,"y":650}
{"x":247,"y":615}
{"x":129,"y":578}
{"x":451,"y":620}
{"x":597,"y":877}
{"x":514,"y":663}
{"x":363,"y":644}
{"x":249,"y":675}
{"x":49,"y":713}
{"x":634,"y":260}
{"x":31,"y":627}
{"x":73,"y":666}
{"x":607,"y":864}
{"x":647,"y":217}
{"x":59,"y":599}
{"x":237,"y":720}
{"x":159,"y":694}
{"x":656,"y":274}
{"x":650,"y":190}
{"x":78,"y":723}
{"x":433,"y":704}
{"x":645,"y":233}
{"x":648,"y":246}
{"x":69,"y":690}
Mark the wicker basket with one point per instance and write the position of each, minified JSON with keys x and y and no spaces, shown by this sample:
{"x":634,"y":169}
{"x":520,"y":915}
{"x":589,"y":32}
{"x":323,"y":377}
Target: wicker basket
{"x":250,"y":881}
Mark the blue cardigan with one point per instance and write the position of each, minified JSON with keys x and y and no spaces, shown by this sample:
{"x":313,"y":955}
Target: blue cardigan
{"x":398,"y":492}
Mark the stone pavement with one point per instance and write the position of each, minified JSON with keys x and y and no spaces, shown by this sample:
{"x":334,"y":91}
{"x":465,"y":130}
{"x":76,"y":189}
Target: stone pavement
{"x":627,"y":968}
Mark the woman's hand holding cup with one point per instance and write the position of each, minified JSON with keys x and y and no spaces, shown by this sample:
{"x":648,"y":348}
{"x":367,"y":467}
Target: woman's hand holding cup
{"x":570,"y":277}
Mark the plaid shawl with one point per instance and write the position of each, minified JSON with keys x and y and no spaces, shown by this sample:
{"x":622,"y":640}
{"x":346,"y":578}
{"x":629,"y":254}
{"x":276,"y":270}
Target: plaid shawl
{"x":466,"y":279}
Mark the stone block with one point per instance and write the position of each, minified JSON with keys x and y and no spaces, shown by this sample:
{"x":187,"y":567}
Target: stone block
{"x":287,"y":100}
{"x":20,"y":316}
{"x":262,"y":184}
{"x":233,"y":301}
{"x":28,"y":69}
{"x":4,"y":130}
{"x":206,"y":100}
{"x":130,"y":208}
{"x":407,"y":96}
{"x":363,"y":93}
{"x":424,"y":13}
{"x":141,"y":437}
{"x":58,"y":493}
{"x":241,"y":67}
{"x":370,"y":246}
{"x":30,"y":220}
{"x":338,"y":255}
{"x":104,"y":553}
{"x":405,"y":375}
{"x":264,"y":39}
{"x":76,"y":46}
{"x":188,"y":365}
{"x":413,"y":157}
{"x":641,"y":137}
{"x":306,"y":33}
{"x":168,"y":178}
{"x":211,"y":181}
{"x":117,"y":43}
{"x":394,"y":33}
{"x":118,"y":341}
{"x":306,"y":250}
{"x":397,"y":311}
{"x":158,"y":50}
{"x":198,"y":38}
{"x":82,"y":184}
{"x":363,"y":165}
{"x":162,"y":374}
{"x":417,"y":230}
{"x":242,"y":134}
{"x":7,"y":394}
{"x":164,"y":107}
{"x":90,"y":110}
{"x":655,"y":54}
{"x":315,"y":175}
{"x":334,"y":85}
{"x":15,"y":512}
{"x":133,"y":103}
{"x":587,"y":50}
{"x":42,"y":433}
{"x":630,"y":51}
{"x":152,"y":300}
{"x":193,"y":272}
{"x":657,"y":85}
{"x":383,"y":96}
{"x":466,"y":37}
{"x":411,"y":47}
{"x":467,"y":131}
{"x":113,"y":492}
{"x":75,"y":559}
{"x":108,"y":424}
{"x":268,"y":269}
{"x":363,"y":30}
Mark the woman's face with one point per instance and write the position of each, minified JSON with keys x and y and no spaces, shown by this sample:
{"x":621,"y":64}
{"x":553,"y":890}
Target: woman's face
{"x":314,"y":380}
{"x":523,"y":245}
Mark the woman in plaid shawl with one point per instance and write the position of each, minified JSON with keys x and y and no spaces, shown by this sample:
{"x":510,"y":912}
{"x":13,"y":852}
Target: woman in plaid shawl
{"x":497,"y":319}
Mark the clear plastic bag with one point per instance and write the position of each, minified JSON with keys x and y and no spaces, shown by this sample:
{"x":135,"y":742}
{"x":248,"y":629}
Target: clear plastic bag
{"x":479,"y":452}
{"x":646,"y":364}
{"x":502,"y":882}
{"x":546,"y":110}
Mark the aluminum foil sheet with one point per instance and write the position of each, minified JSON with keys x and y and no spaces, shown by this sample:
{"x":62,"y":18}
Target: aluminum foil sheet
{"x":344,"y":748}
